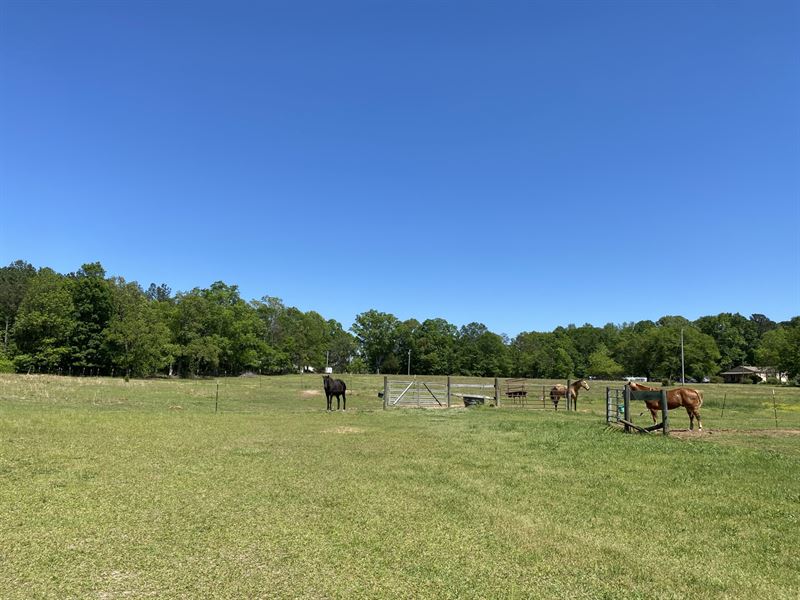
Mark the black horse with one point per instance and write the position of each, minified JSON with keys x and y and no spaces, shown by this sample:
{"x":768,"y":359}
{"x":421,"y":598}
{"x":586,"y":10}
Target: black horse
{"x":335,"y":387}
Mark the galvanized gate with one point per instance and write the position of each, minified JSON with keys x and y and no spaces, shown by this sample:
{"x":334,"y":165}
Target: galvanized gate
{"x":444,"y":394}
{"x":422,"y":394}
{"x":618,"y":408}
{"x":615,"y":405}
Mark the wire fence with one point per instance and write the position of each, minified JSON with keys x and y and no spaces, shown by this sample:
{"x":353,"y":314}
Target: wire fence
{"x":725,"y":406}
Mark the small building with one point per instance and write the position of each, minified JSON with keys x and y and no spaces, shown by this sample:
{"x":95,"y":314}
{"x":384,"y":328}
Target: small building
{"x":746,"y":373}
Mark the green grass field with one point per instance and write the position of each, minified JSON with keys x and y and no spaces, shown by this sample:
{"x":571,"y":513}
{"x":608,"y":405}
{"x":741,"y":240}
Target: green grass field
{"x":129,"y":490}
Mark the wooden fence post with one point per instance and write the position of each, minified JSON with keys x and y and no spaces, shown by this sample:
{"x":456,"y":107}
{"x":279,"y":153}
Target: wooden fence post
{"x":567,"y":394}
{"x":448,"y":391}
{"x":665,"y":411}
{"x":385,"y":392}
{"x":627,"y":396}
{"x":497,"y":392}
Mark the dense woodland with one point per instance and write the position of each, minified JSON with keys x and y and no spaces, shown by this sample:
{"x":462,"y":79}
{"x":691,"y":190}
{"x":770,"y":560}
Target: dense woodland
{"x":86,"y":323}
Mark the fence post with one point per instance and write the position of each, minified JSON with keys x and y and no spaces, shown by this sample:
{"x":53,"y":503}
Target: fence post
{"x":385,"y":392}
{"x":665,"y":411}
{"x":775,"y":409}
{"x":567,"y":394}
{"x":627,"y":395}
{"x":497,"y":392}
{"x":608,"y":405}
{"x":448,"y":391}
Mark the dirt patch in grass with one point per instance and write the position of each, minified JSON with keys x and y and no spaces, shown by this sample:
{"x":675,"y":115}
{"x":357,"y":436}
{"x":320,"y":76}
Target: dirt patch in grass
{"x":311,"y":393}
{"x":344,"y":430}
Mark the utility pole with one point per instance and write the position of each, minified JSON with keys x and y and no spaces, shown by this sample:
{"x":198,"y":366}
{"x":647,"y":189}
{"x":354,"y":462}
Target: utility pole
{"x":409,"y":361}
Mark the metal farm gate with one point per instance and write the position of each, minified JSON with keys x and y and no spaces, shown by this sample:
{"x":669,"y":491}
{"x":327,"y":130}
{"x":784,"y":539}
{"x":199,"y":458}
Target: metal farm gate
{"x":519,"y":393}
{"x":415,"y":393}
{"x":618,"y":408}
{"x":615,"y":405}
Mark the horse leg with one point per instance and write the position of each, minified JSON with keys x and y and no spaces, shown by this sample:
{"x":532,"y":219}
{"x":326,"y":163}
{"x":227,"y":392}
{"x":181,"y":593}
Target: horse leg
{"x":699,"y":424}
{"x":344,"y":400}
{"x":690,"y":412}
{"x":330,"y":401}
{"x":653,"y":412}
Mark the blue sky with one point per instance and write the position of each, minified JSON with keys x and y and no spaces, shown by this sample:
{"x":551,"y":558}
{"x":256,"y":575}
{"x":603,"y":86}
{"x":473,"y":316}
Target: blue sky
{"x":524,"y":165}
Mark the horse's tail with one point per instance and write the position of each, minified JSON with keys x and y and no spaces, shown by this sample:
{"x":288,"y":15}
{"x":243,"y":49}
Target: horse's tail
{"x":699,"y":397}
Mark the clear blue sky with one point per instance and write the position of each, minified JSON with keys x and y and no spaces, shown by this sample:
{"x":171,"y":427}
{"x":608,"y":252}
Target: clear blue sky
{"x":524,"y":165}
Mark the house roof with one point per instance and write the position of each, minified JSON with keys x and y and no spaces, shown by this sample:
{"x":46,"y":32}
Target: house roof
{"x":746,"y":370}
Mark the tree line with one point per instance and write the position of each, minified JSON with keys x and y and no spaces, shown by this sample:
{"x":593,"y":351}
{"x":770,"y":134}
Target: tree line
{"x":86,"y":323}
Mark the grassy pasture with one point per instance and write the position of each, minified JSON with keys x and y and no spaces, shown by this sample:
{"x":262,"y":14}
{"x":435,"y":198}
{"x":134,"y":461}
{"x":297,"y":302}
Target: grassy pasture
{"x":125,"y":490}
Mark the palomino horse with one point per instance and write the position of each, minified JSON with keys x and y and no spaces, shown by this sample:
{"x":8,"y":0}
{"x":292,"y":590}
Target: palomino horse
{"x":335,"y":387}
{"x":559,"y":390}
{"x":689,"y":398}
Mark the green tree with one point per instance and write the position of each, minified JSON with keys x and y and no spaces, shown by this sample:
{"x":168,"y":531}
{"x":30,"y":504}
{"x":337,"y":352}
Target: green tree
{"x":341,"y":347}
{"x":736,"y":338}
{"x":137,"y":339}
{"x":435,"y":340}
{"x":376,"y":338}
{"x":791,"y":359}
{"x":583,"y":341}
{"x":780,"y":348}
{"x":603,"y":366}
{"x":305,"y":338}
{"x":45,"y":323}
{"x":482,"y":353}
{"x":91,"y":298}
{"x":405,"y":342}
{"x":14,"y":280}
{"x":271,"y":312}
{"x":216,"y":331}
{"x":543,"y":355}
{"x":661,"y":351}
{"x":159,"y":293}
{"x":773,"y":349}
{"x":631,"y":351}
{"x":762,"y":324}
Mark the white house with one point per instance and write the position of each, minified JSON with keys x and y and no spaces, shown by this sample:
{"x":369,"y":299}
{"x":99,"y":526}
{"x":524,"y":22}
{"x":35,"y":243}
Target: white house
{"x":740,"y":373}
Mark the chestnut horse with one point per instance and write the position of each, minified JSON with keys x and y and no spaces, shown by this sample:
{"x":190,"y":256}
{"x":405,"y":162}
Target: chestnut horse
{"x":689,"y":398}
{"x":559,"y":390}
{"x":335,"y":387}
